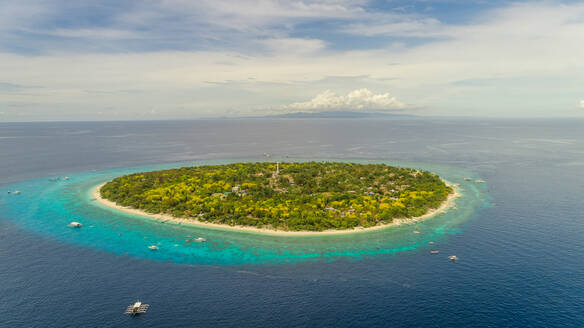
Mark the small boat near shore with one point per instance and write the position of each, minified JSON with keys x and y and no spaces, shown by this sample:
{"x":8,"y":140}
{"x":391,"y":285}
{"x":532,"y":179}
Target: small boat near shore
{"x":453,"y":258}
{"x":434,"y":251}
{"x":15,"y":192}
{"x":75,"y":224}
{"x":153,"y":248}
{"x":480,"y":181}
{"x":196,"y":240}
{"x":467,"y":179}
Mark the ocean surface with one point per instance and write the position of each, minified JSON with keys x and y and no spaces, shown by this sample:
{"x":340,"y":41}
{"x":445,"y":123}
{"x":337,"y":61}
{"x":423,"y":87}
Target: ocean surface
{"x":519,"y":236}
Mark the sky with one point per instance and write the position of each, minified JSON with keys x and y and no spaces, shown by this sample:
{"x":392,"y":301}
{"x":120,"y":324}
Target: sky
{"x":179,"y":59}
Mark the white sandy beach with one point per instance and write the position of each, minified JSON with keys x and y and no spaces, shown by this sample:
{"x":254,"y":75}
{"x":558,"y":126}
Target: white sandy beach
{"x":448,"y":203}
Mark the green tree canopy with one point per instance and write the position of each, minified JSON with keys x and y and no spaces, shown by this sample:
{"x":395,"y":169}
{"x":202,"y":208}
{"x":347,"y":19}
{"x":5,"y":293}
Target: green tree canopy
{"x":313,"y":196}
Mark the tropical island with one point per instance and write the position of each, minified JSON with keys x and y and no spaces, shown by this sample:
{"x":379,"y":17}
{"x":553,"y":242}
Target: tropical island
{"x":284,"y":197}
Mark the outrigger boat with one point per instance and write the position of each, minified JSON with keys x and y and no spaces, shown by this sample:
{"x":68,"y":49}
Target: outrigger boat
{"x":137,"y":308}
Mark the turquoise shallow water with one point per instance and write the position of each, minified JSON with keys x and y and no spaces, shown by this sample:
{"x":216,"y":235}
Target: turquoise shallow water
{"x":519,"y":242}
{"x":46,"y":207}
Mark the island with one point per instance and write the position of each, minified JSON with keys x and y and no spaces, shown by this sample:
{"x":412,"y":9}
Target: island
{"x":311,"y":197}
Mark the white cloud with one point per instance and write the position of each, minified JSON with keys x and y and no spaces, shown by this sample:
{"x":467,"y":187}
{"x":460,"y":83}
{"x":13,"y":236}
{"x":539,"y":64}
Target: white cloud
{"x":397,"y":25}
{"x":96,"y":33}
{"x":293,"y":45}
{"x":356,"y":100}
{"x":527,"y":52}
{"x":255,"y":16}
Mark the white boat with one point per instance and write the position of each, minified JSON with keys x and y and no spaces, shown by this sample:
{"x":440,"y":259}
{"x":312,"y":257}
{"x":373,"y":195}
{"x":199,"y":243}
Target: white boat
{"x":434,"y":252}
{"x":453,"y":258}
{"x":66,"y":178}
{"x":480,"y":181}
{"x":136,"y":308}
{"x":467,"y":179}
{"x":16,"y":192}
{"x":416,"y":231}
{"x":153,"y":247}
{"x":75,"y":224}
{"x":200,"y":240}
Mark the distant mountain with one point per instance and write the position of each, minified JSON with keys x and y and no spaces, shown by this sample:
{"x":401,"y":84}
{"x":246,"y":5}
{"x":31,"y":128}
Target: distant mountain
{"x":338,"y":114}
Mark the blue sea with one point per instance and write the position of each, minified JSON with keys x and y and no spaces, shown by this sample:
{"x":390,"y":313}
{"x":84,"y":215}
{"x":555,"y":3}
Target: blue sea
{"x":519,"y":236}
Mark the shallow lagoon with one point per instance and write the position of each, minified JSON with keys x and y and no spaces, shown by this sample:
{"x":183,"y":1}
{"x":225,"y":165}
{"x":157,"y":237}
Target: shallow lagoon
{"x":47,"y":206}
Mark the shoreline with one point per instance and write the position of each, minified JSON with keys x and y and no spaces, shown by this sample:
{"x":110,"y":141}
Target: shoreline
{"x":167,"y":218}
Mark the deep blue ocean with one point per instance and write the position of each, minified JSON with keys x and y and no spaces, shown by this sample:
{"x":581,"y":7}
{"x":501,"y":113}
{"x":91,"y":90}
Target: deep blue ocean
{"x":519,"y":236}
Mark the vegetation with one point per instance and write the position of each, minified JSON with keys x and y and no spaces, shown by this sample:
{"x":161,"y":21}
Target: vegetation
{"x":310,"y":196}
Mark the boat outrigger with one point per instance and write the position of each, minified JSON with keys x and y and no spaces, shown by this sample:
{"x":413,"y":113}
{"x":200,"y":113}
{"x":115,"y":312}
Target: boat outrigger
{"x":137,"y":308}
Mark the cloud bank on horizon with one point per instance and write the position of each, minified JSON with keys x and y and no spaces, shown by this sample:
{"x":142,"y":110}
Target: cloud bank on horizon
{"x":356,"y":101}
{"x":177,"y":59}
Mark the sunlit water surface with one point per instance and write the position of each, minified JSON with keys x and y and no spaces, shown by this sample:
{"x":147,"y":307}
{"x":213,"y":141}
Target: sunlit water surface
{"x":519,"y":236}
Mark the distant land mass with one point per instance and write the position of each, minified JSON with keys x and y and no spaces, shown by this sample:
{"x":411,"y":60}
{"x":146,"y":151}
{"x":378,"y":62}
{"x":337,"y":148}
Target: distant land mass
{"x":337,"y":114}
